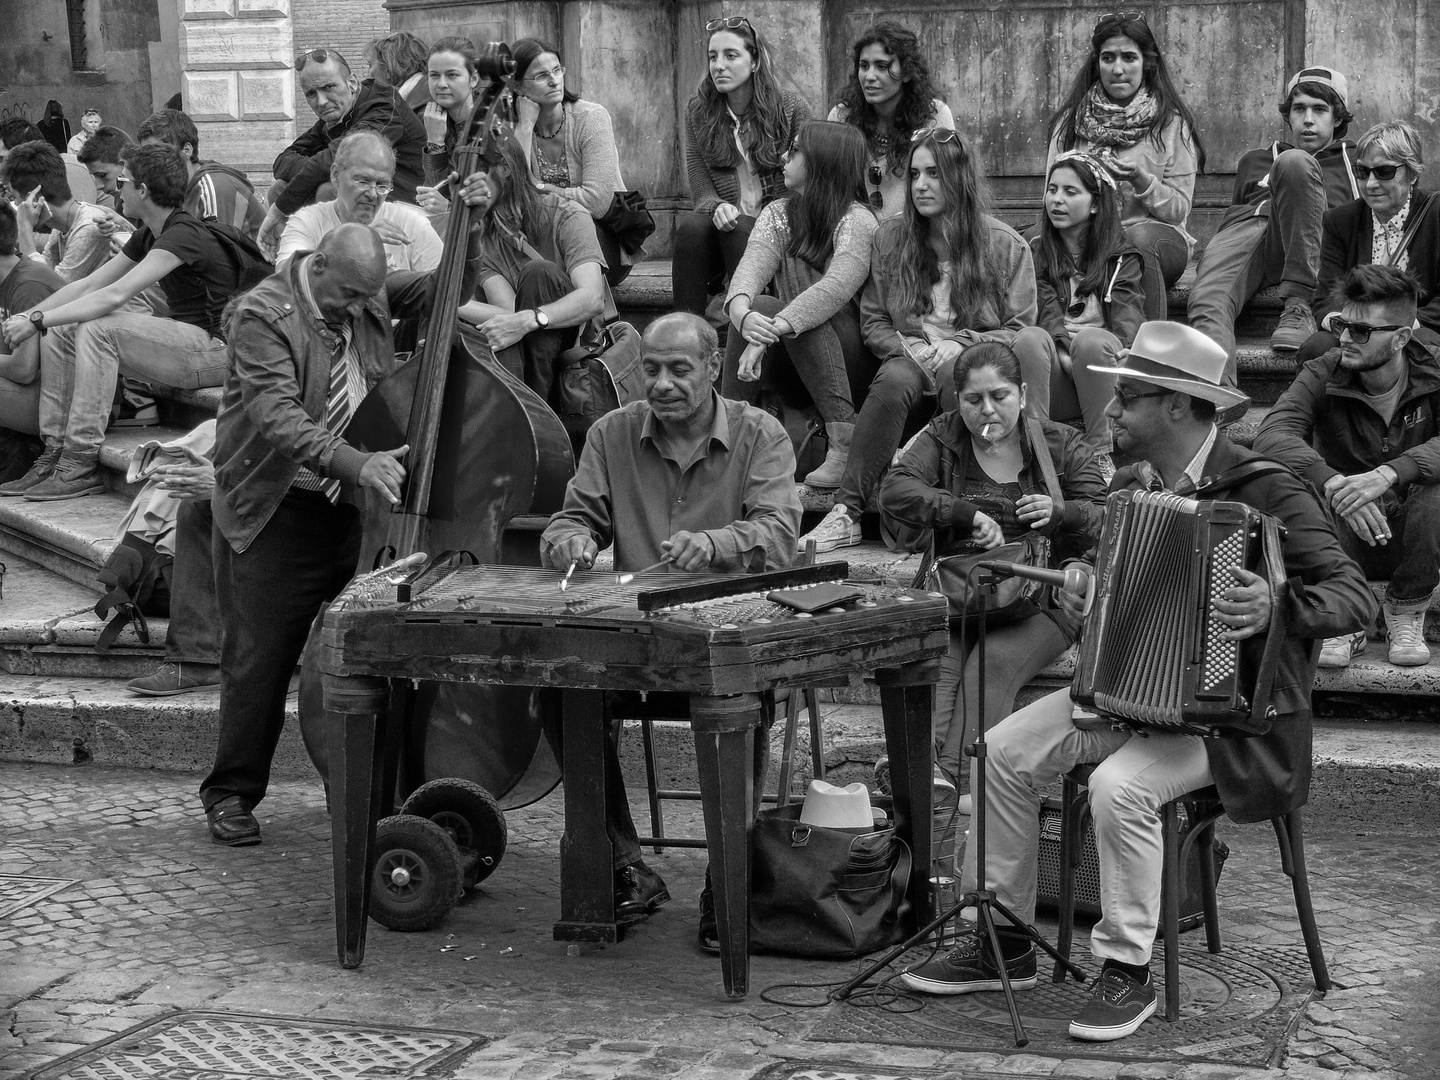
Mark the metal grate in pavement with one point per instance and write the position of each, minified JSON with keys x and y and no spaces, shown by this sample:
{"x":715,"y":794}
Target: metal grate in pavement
{"x":1237,"y":1007}
{"x":17,"y":892}
{"x":211,"y":1046}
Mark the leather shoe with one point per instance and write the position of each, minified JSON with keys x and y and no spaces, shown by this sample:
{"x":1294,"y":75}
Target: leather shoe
{"x":708,"y":938}
{"x":638,"y":891}
{"x":232,"y":823}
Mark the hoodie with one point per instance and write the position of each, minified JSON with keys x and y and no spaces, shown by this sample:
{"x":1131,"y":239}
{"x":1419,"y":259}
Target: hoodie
{"x":1252,"y":179}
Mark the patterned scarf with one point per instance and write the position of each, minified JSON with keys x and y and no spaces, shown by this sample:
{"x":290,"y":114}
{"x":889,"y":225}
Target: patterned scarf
{"x":1101,"y":122}
{"x":1385,"y":245}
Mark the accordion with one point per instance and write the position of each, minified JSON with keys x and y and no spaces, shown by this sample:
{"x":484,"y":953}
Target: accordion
{"x":1152,"y":654}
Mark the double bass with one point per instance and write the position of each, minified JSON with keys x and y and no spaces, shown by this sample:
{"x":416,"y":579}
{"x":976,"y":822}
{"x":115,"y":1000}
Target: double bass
{"x":488,"y":462}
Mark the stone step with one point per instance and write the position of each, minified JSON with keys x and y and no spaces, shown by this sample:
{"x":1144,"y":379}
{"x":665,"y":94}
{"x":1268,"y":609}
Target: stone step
{"x":72,"y":538}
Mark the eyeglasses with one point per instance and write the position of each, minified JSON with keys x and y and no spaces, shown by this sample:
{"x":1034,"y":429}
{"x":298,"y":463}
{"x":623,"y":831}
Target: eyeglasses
{"x":1129,"y":16}
{"x":380,"y":187}
{"x":1126,"y":398}
{"x":552,"y":77}
{"x":1359,"y":332}
{"x":320,"y":56}
{"x":1380,"y":172}
{"x":937,"y":134}
{"x":734,"y":22}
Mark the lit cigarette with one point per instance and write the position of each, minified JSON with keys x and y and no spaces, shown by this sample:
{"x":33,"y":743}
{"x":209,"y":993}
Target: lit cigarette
{"x":985,"y":431}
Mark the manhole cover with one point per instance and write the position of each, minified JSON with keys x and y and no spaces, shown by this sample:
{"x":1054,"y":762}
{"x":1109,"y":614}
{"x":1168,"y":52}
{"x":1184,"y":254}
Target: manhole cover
{"x":1236,"y":1007}
{"x":227,"y":1046}
{"x":17,"y":892}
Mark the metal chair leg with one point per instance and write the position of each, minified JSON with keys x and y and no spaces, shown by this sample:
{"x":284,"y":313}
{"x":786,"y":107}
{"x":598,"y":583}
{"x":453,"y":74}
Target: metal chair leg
{"x":787,"y":752}
{"x":652,"y":783}
{"x":817,"y":733}
{"x":1289,"y":832}
{"x":1170,"y":905}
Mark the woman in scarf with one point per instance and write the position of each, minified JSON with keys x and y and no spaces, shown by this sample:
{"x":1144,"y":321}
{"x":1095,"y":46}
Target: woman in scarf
{"x":738,"y":128}
{"x":1124,"y":109}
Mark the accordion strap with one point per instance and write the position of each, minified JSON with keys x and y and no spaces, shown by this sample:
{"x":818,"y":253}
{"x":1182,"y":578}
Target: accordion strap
{"x":1270,"y":546}
{"x":1237,"y":475}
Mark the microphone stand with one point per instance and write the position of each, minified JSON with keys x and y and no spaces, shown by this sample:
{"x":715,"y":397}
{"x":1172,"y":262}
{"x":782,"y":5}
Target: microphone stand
{"x":982,"y":581}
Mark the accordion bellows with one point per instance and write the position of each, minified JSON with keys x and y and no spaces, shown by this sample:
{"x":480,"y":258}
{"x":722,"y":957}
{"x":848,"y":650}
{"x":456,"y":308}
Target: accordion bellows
{"x":1152,"y":652}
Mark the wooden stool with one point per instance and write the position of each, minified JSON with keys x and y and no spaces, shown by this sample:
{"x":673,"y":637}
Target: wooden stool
{"x":1203,"y":809}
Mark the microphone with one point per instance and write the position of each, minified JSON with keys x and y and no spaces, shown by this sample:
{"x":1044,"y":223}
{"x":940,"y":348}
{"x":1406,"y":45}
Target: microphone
{"x":1073,"y":579}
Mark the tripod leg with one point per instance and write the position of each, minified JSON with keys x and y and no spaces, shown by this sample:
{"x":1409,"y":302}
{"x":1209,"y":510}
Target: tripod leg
{"x":987,"y":924}
{"x":1062,"y":962}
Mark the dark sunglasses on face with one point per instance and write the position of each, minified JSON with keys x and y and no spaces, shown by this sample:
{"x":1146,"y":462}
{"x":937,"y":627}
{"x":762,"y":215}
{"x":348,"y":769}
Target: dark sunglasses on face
{"x":1359,"y":332}
{"x":734,"y":22}
{"x":1129,"y":397}
{"x":1380,"y":172}
{"x":320,"y":56}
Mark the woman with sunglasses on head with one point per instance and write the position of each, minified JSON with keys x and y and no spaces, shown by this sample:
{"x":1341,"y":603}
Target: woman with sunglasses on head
{"x":888,"y":97}
{"x":452,"y":74}
{"x":1124,"y":109}
{"x":1090,"y":292}
{"x":970,"y":482}
{"x":811,"y":249}
{"x":569,"y":142}
{"x":1394,"y":222}
{"x":738,"y":127}
{"x":944,"y":277}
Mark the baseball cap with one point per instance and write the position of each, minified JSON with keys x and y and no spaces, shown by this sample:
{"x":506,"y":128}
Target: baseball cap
{"x":1325,"y":77}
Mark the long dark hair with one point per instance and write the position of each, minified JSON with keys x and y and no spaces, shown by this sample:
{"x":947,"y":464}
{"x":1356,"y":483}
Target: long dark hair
{"x":917,"y":95}
{"x":516,"y":205}
{"x":965,"y":227}
{"x":988,"y":354}
{"x":834,"y":180}
{"x":1156,"y":80}
{"x":765,"y":134}
{"x":1103,"y":235}
{"x":527,"y":50}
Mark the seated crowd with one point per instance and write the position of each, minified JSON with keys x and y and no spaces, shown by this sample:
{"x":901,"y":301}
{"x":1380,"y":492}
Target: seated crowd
{"x":974,"y":382}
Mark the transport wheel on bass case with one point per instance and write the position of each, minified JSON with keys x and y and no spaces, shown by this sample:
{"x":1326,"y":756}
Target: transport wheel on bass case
{"x":417,"y":872}
{"x":471,"y":816}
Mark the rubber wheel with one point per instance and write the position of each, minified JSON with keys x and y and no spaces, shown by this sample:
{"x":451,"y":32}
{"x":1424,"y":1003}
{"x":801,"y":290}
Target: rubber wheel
{"x":417,"y":874}
{"x":470,"y":815}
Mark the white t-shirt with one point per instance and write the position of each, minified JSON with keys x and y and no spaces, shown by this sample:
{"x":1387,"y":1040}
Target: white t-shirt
{"x":308,"y":225}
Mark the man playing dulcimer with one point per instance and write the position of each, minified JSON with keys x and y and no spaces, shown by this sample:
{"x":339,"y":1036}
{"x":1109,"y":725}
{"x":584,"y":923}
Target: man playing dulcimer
{"x":689,"y":480}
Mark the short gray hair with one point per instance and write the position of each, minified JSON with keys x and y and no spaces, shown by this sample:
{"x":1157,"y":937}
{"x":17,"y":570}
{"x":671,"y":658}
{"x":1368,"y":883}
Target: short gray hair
{"x":705,"y":335}
{"x":1397,"y":141}
{"x":351,"y":145}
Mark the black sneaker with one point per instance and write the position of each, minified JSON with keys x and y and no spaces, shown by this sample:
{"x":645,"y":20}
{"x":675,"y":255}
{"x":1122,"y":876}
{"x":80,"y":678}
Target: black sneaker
{"x":969,"y":967}
{"x":1118,"y":1005}
{"x":638,"y":891}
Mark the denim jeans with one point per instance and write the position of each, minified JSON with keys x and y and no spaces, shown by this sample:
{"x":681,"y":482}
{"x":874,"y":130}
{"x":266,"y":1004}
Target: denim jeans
{"x":1317,"y":344}
{"x":268,"y":596}
{"x":533,"y":357}
{"x":1411,"y":560}
{"x":1014,"y":654}
{"x":1031,"y":750}
{"x":824,"y":358}
{"x":1255,"y":253}
{"x":195,"y":624}
{"x":79,"y":363}
{"x":1164,"y":253}
{"x":20,"y":406}
{"x":1085,"y":393}
{"x":702,"y":254}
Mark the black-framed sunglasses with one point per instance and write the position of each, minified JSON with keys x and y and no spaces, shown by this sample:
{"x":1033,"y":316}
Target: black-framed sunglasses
{"x":1126,"y":398}
{"x":121,"y":181}
{"x":1380,"y":172}
{"x":1076,"y":309}
{"x":320,"y":56}
{"x":734,"y":22}
{"x":1359,"y":332}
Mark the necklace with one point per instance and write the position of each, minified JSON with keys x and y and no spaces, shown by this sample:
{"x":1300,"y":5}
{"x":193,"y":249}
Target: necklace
{"x":556,"y":130}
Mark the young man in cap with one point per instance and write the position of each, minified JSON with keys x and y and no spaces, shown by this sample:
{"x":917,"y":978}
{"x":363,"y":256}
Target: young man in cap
{"x":1167,"y":394}
{"x":1362,"y":424}
{"x":1271,"y":233}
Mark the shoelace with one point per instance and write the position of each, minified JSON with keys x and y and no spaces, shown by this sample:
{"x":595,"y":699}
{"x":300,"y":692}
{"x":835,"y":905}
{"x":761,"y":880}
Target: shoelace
{"x":1114,"y":985}
{"x":1405,"y":631}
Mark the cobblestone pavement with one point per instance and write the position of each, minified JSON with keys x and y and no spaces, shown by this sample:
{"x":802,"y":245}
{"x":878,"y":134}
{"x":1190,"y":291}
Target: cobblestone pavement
{"x":160,"y":920}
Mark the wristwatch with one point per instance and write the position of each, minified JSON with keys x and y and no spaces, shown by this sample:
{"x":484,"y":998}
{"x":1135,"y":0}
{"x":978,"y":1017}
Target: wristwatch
{"x":542,"y":321}
{"x":37,"y":319}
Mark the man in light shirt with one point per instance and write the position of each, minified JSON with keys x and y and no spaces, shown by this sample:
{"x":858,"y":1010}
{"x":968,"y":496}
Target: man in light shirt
{"x":363,"y":174}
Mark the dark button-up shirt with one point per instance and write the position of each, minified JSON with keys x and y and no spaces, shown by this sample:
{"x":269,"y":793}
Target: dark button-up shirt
{"x":738,"y":488}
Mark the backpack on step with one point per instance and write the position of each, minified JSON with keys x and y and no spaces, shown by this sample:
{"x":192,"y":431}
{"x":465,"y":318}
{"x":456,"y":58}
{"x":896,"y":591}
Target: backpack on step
{"x":137,"y":583}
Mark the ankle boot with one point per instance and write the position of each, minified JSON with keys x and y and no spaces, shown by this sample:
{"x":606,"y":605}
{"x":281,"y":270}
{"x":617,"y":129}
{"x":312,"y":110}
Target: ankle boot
{"x":40,"y":471}
{"x":76,"y":473}
{"x":832,"y":470}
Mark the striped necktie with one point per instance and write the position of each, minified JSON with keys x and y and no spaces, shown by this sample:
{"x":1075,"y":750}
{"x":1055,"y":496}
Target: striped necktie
{"x":338,"y":405}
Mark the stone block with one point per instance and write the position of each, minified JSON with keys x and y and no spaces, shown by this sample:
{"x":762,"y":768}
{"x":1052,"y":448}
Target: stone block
{"x":207,"y":9}
{"x":266,"y":95}
{"x":235,"y":44}
{"x":212,"y":95}
{"x":262,"y":9}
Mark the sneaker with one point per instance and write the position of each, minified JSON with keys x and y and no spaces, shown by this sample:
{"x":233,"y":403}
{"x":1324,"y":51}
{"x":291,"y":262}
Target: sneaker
{"x":1117,"y":1007}
{"x":1405,"y":624}
{"x":1337,"y":651}
{"x":41,"y":470}
{"x":171,"y":679}
{"x":74,"y":475}
{"x":137,"y":409}
{"x":969,"y":968}
{"x":838,"y":529}
{"x":1295,"y":326}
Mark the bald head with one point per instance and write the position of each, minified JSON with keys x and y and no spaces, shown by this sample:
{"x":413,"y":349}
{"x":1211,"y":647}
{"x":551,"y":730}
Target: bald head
{"x":346,"y":270}
{"x":680,"y":329}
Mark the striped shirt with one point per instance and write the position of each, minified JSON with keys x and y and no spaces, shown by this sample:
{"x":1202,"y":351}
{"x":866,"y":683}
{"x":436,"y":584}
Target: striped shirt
{"x":342,"y":351}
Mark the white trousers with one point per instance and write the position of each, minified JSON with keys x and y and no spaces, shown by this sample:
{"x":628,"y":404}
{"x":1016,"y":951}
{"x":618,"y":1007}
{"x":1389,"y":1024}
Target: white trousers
{"x":1136,"y":775}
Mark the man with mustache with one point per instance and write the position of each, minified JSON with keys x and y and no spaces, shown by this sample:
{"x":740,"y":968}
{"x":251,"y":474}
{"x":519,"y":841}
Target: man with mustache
{"x":364,"y":175}
{"x":688,"y":477}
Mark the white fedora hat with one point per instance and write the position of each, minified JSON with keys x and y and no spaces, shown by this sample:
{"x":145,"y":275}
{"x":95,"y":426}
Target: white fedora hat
{"x":1179,"y":358}
{"x":837,"y":807}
